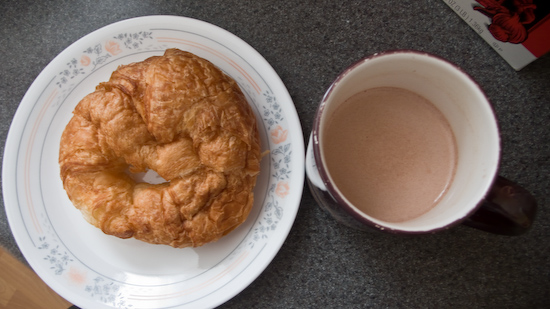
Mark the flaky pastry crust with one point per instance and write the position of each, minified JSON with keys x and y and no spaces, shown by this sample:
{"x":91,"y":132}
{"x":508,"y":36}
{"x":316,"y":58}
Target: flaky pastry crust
{"x":180,"y":116}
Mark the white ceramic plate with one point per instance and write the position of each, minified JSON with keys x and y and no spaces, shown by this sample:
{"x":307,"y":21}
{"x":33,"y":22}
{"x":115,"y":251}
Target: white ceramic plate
{"x":94,"y":270}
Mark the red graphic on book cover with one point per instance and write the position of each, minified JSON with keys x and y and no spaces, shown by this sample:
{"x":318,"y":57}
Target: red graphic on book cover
{"x":524,"y":22}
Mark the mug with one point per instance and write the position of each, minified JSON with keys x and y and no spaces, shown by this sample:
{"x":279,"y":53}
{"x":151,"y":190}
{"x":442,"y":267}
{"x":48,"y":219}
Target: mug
{"x":476,"y":196}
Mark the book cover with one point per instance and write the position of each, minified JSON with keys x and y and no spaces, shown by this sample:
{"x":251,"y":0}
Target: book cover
{"x":519,"y":30}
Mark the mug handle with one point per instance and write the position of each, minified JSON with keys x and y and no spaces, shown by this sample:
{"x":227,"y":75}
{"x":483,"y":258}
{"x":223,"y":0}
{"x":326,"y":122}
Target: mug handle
{"x":508,"y":209}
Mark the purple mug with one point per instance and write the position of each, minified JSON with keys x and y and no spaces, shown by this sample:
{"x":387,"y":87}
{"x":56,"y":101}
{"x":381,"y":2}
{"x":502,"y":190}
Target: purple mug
{"x":476,"y":197}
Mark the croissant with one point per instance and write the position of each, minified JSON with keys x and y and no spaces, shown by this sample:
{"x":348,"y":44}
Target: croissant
{"x":180,"y":116}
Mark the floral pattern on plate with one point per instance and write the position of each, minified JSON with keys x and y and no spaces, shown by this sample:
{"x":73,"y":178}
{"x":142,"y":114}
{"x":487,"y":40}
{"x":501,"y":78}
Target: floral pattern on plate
{"x":61,"y":263}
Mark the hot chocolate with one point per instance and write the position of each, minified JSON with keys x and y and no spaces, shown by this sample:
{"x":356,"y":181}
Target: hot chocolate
{"x":390,"y":152}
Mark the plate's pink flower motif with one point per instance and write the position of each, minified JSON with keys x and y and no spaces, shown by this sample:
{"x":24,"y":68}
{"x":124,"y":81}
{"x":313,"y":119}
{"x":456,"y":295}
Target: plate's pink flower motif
{"x":282,"y":189}
{"x":278,"y":135}
{"x":113,"y":48}
{"x":76,"y":276}
{"x":85,"y":60}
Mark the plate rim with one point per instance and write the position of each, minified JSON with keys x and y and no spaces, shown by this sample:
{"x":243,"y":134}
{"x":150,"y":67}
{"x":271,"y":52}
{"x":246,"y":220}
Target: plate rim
{"x":17,"y":129}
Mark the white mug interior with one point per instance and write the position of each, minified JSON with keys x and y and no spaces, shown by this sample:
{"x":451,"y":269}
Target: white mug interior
{"x":466,"y":108}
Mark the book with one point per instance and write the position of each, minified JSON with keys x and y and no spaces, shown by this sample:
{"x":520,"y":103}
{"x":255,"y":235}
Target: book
{"x":519,"y":30}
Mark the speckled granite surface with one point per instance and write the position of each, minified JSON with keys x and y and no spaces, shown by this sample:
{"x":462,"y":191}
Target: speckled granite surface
{"x":324,"y":264}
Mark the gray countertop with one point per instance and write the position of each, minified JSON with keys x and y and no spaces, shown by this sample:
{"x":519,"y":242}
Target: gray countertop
{"x":322,"y":263}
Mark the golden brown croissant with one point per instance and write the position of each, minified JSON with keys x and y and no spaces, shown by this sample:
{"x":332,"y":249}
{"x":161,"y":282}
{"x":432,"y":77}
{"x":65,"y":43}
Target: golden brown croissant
{"x":180,"y":116}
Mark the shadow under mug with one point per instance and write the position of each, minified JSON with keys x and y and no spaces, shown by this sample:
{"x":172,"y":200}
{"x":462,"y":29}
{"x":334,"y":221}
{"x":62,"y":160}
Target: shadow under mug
{"x":477,"y":196}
